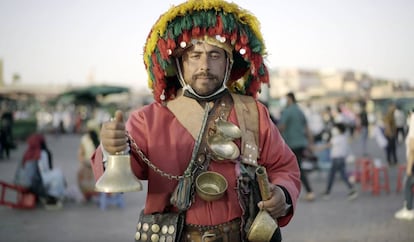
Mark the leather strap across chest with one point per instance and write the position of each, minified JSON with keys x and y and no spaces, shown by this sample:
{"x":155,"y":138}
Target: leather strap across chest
{"x":247,"y":116}
{"x":184,"y":107}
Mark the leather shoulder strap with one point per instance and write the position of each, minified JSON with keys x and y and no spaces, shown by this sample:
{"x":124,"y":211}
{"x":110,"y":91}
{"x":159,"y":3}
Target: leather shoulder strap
{"x":183,"y":107}
{"x":248,"y":118}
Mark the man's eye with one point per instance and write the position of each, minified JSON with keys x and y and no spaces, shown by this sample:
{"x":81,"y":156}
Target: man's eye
{"x":194,"y":56}
{"x":215,"y":55}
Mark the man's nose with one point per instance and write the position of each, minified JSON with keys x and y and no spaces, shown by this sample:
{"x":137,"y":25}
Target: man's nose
{"x":204,"y":63}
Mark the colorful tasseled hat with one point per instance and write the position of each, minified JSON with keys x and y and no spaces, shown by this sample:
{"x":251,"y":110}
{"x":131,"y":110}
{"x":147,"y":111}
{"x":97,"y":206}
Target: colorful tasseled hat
{"x":227,"y":23}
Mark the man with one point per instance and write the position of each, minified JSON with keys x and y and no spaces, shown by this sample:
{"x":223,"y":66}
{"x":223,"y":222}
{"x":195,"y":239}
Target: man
{"x":294,"y":128}
{"x":315,"y":121}
{"x":400,"y":122}
{"x":205,"y":64}
{"x":364,"y":123}
{"x":390,"y":132}
{"x":407,"y":212}
{"x":6,"y":135}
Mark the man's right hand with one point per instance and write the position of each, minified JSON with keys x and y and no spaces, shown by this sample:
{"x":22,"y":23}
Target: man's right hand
{"x":113,"y":138}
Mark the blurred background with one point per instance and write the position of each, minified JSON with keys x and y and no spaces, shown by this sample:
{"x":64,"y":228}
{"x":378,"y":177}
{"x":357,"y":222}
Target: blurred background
{"x":326,"y":52}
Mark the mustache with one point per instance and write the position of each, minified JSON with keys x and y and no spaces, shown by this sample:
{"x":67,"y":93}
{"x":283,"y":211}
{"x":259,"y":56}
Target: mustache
{"x":205,"y":75}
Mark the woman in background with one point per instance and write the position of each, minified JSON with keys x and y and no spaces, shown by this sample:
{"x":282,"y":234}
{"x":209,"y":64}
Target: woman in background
{"x":88,"y":143}
{"x":36,"y":172}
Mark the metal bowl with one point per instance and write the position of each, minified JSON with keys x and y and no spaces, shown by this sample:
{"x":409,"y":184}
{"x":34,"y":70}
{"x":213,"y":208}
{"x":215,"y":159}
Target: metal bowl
{"x":211,"y":185}
{"x":227,"y":129}
{"x":223,"y":149}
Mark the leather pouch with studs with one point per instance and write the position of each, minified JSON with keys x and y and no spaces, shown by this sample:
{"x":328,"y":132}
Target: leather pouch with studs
{"x":162,"y":227}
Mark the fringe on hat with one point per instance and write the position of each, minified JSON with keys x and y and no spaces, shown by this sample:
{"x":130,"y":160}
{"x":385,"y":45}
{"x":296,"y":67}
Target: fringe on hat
{"x":197,"y":18}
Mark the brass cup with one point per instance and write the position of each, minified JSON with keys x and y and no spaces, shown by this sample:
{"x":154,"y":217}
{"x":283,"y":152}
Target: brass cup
{"x":227,"y":130}
{"x":222,"y":148}
{"x":211,"y":185}
{"x":263,"y":228}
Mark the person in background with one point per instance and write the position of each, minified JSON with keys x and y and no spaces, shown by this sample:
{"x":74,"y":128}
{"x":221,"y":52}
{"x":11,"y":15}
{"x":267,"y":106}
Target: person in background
{"x":6,"y":134}
{"x":88,"y":143}
{"x":407,"y":213}
{"x":390,"y":132}
{"x":340,"y":149}
{"x":45,"y":181}
{"x":346,"y":115}
{"x":294,"y":129}
{"x":205,"y":64}
{"x":315,"y":122}
{"x":328,"y":118}
{"x":363,"y":122}
{"x":400,"y":122}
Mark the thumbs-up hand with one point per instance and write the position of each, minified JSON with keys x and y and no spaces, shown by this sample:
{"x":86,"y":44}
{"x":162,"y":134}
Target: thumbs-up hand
{"x":112,"y":134}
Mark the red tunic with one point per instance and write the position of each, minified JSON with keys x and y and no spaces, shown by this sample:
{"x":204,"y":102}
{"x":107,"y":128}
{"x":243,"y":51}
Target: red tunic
{"x":168,"y":145}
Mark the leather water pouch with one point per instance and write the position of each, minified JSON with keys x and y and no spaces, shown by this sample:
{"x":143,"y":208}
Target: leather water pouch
{"x":182,"y":195}
{"x":160,"y":227}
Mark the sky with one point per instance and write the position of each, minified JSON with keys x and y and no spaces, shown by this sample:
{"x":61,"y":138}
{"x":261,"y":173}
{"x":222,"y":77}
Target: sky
{"x":70,"y":42}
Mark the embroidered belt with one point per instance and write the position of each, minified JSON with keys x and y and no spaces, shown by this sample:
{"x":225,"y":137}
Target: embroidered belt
{"x":226,"y":232}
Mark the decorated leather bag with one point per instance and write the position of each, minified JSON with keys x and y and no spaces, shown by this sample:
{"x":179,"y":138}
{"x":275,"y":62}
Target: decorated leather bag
{"x":161,"y":227}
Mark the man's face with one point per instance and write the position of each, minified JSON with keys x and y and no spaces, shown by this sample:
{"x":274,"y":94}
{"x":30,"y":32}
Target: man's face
{"x":204,"y":68}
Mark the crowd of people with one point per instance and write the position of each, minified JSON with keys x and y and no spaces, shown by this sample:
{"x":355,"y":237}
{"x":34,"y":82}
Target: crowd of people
{"x":321,"y":136}
{"x":304,"y":130}
{"x":49,"y":183}
{"x":36,"y":171}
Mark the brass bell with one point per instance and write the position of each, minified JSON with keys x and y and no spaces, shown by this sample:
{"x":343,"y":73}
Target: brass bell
{"x":118,"y":176}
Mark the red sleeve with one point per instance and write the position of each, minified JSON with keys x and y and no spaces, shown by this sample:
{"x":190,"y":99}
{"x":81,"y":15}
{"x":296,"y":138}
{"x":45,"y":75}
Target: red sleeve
{"x":280,"y":162}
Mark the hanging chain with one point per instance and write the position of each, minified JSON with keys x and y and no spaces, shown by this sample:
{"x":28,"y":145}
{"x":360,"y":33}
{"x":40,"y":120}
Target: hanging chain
{"x":187,"y":172}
